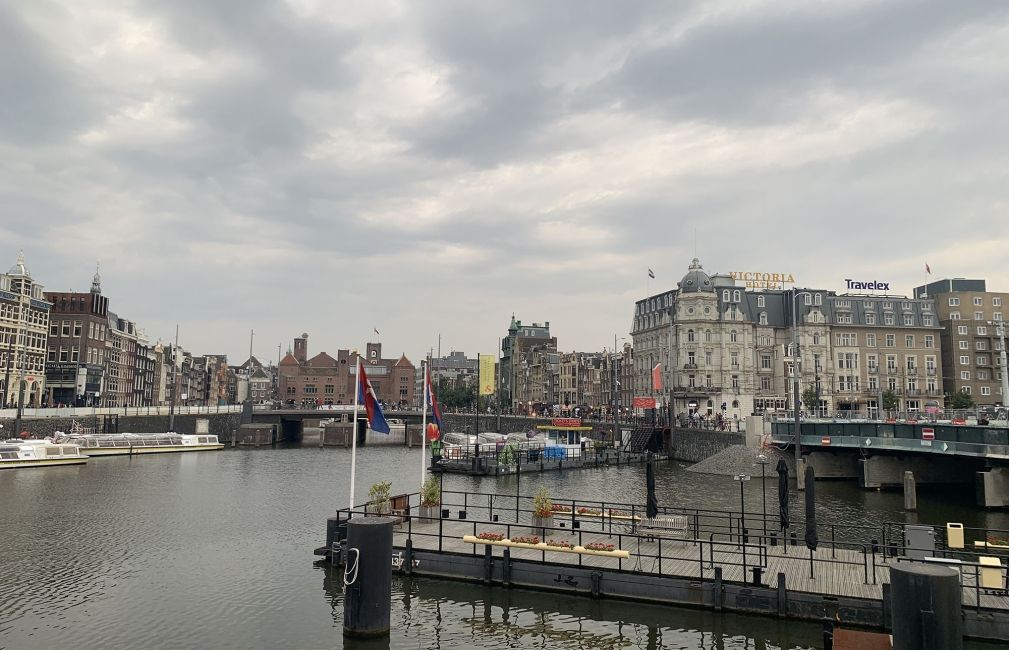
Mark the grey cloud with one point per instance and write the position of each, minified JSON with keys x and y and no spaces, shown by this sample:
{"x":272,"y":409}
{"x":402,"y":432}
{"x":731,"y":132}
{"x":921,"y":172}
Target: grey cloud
{"x":43,"y":99}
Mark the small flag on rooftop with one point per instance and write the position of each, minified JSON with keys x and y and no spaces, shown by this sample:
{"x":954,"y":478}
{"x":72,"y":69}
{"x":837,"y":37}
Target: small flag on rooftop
{"x":651,"y":274}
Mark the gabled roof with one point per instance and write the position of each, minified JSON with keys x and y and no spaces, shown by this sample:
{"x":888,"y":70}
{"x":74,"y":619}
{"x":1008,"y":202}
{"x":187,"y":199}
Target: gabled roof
{"x":260,"y":374}
{"x":403,"y":362}
{"x":289,"y":360}
{"x":251,"y":361}
{"x":322,"y":360}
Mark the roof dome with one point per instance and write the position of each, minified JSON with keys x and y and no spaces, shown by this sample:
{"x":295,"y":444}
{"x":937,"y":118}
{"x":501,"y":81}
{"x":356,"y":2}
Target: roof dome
{"x":19,"y":268}
{"x":696,"y":279}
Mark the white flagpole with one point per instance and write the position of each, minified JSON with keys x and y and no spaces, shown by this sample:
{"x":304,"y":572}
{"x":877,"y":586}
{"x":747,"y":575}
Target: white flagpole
{"x":423,"y":427}
{"x":353,"y":444}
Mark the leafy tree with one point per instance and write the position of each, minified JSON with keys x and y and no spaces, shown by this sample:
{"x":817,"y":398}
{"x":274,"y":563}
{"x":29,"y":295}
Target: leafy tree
{"x":890,"y":400}
{"x":810,"y":398}
{"x":961,"y":400}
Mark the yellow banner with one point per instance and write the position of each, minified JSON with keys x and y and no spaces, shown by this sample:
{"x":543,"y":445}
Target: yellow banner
{"x":486,"y":374}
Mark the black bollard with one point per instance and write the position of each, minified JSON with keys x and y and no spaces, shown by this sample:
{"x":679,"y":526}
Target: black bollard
{"x":925,"y":607}
{"x":368,"y":577}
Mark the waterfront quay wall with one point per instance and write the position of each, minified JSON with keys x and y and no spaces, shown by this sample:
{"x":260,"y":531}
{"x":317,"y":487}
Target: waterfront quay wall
{"x":694,"y":445}
{"x":223,"y":425}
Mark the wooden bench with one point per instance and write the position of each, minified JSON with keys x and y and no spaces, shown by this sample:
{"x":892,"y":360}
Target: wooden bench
{"x":674,"y":526}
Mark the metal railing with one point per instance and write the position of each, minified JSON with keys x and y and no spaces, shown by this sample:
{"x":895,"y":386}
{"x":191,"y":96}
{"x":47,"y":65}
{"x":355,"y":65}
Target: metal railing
{"x":87,"y":411}
{"x":714,"y":539}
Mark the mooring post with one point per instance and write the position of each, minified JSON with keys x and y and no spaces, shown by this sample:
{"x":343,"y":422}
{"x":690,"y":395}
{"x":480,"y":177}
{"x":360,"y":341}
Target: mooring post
{"x":718,"y":589}
{"x":925,"y":606}
{"x":782,"y":596}
{"x":910,"y":493}
{"x":367,"y":577}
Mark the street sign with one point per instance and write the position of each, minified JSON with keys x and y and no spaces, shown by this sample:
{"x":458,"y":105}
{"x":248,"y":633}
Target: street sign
{"x":825,"y":441}
{"x":868,"y":442}
{"x":927,"y":433}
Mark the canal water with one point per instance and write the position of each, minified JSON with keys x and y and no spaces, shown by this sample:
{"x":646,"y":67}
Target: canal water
{"x":214,"y":550}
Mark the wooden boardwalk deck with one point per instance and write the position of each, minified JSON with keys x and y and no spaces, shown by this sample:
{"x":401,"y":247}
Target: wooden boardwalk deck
{"x":835,"y":572}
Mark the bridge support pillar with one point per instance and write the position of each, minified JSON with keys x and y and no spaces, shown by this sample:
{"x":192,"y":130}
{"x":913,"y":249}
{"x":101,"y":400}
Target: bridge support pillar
{"x":992,"y":487}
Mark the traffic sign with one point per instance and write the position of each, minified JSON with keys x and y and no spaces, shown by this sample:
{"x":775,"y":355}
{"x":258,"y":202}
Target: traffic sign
{"x":825,"y":441}
{"x":927,"y":433}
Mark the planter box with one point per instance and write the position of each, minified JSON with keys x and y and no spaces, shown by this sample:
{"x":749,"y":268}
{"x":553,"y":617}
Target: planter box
{"x":615,"y":553}
{"x":540,"y":523}
{"x":473,"y":539}
{"x":428,"y":513}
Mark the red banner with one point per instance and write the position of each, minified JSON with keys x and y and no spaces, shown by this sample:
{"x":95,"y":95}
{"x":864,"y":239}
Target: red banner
{"x":566,"y":422}
{"x":644,"y":402}
{"x":657,"y":377}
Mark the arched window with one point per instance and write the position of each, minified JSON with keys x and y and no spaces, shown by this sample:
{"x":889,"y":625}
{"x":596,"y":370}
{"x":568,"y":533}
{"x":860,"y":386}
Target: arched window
{"x":818,"y":299}
{"x":690,"y":335}
{"x":732,"y":336}
{"x":735,"y":295}
{"x":725,"y":295}
{"x":763,"y":318}
{"x":760,"y":301}
{"x":707,"y":336}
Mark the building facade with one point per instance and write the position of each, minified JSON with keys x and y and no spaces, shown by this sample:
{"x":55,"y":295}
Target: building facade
{"x":75,"y":361}
{"x":323,"y":379}
{"x":528,"y":366}
{"x":724,"y":348}
{"x":970,"y":317}
{"x":24,"y":328}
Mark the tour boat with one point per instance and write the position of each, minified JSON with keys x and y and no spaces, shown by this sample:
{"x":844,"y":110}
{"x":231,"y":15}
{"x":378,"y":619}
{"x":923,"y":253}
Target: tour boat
{"x":121,"y":444}
{"x":38,"y":453}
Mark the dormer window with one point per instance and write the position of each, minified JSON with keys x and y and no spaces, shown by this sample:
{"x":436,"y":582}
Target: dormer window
{"x":763,"y":318}
{"x":725,"y":295}
{"x":808,"y":299}
{"x":818,"y":300}
{"x":760,"y":301}
{"x":736,"y":296}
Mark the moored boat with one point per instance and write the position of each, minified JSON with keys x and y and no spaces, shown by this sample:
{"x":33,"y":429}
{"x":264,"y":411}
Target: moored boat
{"x":122,"y":444}
{"x":38,"y":453}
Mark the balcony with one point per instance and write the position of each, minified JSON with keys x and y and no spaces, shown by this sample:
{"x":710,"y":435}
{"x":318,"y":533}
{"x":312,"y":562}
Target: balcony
{"x":687,"y":391}
{"x":690,"y":366}
{"x":930,"y":371}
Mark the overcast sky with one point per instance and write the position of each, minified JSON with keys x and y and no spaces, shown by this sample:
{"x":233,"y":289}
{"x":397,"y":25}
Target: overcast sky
{"x":431,"y":167}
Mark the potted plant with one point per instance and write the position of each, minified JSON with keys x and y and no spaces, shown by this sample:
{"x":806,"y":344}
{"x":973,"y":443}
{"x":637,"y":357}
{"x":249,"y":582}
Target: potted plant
{"x":378,"y":498}
{"x":543,"y":511}
{"x":430,"y":500}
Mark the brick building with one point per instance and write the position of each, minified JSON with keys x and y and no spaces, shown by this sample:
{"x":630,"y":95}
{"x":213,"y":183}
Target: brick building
{"x":324,"y":379}
{"x":75,"y":362}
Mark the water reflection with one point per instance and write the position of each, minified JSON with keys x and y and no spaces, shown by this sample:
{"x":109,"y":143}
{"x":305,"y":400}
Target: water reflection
{"x":449,"y":614}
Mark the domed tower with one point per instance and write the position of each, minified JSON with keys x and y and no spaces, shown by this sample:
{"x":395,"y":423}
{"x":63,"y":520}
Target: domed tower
{"x":96,"y":281}
{"x":696,"y":279}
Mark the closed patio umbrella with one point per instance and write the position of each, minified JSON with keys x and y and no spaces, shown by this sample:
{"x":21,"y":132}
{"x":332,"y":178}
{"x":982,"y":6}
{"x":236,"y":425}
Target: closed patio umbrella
{"x":782,"y":470}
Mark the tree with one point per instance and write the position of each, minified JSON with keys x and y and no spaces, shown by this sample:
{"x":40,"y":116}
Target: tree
{"x":889,"y":400}
{"x":811,"y":399}
{"x":961,"y":400}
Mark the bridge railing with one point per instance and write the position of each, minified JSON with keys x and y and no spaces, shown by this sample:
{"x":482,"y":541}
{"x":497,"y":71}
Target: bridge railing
{"x":86,"y":412}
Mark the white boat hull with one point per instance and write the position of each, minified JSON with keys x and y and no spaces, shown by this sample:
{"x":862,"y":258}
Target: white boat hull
{"x":165,"y":449}
{"x":47,"y":462}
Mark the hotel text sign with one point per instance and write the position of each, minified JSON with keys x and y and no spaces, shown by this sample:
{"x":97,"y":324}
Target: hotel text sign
{"x":871,"y":285}
{"x":759,"y":280}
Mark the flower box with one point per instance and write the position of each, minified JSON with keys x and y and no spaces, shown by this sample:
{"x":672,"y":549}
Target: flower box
{"x":473,"y":539}
{"x":614,"y":553}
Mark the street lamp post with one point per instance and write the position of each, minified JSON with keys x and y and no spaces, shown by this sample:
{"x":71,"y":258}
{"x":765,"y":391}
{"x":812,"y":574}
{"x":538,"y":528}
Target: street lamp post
{"x":742,"y":478}
{"x":795,"y":390}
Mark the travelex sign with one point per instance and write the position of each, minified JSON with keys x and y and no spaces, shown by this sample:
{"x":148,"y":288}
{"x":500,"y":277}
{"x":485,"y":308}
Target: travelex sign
{"x":760,"y":280}
{"x":872,"y":285}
